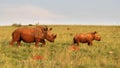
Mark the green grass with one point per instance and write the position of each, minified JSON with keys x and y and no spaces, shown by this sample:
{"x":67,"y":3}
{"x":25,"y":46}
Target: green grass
{"x":103,"y":54}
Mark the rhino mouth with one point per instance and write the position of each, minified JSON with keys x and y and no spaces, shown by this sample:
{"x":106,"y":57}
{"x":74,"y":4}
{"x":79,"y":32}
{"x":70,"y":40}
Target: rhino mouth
{"x":99,"y":39}
{"x":52,"y":38}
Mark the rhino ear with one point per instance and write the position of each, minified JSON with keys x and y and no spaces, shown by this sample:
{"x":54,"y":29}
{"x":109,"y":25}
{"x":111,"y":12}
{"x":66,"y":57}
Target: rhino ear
{"x":45,"y":29}
{"x":50,"y":29}
{"x":94,"y":32}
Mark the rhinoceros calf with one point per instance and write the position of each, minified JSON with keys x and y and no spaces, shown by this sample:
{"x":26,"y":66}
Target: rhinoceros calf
{"x":29,"y":35}
{"x":86,"y":38}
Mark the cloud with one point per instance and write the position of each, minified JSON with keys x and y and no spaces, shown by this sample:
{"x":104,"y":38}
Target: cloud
{"x":27,"y":12}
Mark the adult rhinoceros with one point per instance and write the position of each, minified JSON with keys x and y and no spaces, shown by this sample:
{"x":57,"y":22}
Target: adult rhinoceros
{"x":29,"y":35}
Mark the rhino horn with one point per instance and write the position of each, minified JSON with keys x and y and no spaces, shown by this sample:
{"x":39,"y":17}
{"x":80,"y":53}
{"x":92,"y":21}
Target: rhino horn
{"x":55,"y":35}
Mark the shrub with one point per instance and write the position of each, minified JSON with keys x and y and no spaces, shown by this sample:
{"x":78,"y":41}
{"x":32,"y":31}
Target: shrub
{"x":30,"y":25}
{"x":16,"y":25}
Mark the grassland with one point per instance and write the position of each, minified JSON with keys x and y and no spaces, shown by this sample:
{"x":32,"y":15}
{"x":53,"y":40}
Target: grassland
{"x":103,"y":54}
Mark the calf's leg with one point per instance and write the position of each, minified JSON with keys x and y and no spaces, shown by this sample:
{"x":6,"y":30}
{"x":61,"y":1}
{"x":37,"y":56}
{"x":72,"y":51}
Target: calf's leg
{"x":75,"y":42}
{"x":90,"y":43}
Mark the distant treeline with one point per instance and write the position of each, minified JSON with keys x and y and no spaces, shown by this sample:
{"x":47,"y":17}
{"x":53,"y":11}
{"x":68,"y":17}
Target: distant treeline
{"x":19,"y":25}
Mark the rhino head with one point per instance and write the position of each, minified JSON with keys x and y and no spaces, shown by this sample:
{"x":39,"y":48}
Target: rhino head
{"x":96,"y":36}
{"x":49,"y":35}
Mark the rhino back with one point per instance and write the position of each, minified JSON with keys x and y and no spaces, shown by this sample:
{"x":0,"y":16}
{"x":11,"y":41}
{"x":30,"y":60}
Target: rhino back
{"x":31,"y":34}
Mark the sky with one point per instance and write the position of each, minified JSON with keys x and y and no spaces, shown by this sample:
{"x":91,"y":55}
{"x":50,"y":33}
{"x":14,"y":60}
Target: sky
{"x":75,"y":12}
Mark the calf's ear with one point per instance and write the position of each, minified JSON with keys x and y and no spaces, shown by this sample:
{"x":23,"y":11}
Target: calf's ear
{"x":94,"y":32}
{"x":50,"y":29}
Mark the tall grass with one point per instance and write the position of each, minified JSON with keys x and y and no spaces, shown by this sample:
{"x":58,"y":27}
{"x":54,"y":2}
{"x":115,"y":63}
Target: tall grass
{"x":103,"y":54}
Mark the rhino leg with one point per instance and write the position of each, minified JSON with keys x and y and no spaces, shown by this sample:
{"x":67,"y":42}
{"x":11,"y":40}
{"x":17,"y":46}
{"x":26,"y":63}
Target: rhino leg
{"x":36,"y":44}
{"x":12,"y":42}
{"x":43,"y":42}
{"x":90,"y":43}
{"x":37,"y":40}
{"x":18,"y":43}
{"x":75,"y":41}
{"x":15,"y":37}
